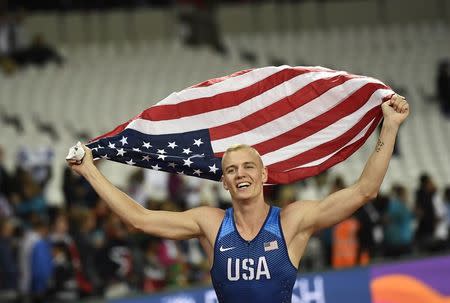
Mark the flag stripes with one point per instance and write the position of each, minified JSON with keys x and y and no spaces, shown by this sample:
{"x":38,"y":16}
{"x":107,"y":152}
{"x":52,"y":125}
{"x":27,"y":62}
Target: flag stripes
{"x":302,"y":120}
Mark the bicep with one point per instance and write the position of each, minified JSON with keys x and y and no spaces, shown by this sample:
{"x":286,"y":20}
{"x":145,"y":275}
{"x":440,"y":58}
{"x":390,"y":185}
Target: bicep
{"x":337,"y":207}
{"x":172,"y":225}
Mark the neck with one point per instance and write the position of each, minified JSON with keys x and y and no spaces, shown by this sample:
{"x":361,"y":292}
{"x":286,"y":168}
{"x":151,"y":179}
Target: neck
{"x":249,"y":217}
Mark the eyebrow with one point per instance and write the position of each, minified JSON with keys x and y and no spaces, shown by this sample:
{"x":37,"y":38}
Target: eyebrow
{"x":234,"y":165}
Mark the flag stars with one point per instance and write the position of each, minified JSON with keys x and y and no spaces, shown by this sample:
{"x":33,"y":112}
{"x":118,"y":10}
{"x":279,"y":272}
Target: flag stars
{"x":161,"y":151}
{"x":104,"y":157}
{"x":187,"y":151}
{"x":156,"y":167}
{"x":172,"y":145}
{"x":198,"y":142}
{"x":197,"y":172}
{"x":187,"y":162}
{"x":146,"y":145}
{"x":111,"y":145}
{"x":136,"y":149}
{"x":146,"y":158}
{"x":124,"y":140}
{"x":130,"y":162}
{"x":121,"y":152}
{"x":99,"y":146}
{"x":213,"y":169}
{"x":172,"y":164}
{"x":163,"y":157}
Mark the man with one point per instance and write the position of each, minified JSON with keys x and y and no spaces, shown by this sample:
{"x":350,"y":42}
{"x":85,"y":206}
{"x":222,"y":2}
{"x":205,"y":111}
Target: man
{"x":254,"y":249}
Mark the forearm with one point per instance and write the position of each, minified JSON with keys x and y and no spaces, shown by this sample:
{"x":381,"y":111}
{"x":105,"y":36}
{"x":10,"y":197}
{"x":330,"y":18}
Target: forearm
{"x":119,"y":202}
{"x":373,"y":174}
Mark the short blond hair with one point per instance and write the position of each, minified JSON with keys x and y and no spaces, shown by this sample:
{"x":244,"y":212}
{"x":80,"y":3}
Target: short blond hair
{"x":240,"y":146}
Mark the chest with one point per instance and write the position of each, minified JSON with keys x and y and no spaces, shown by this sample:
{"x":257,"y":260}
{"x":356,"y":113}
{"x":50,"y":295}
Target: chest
{"x":238,"y":260}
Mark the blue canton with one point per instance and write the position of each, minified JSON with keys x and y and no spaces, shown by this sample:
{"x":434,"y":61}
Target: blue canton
{"x":187,"y":153}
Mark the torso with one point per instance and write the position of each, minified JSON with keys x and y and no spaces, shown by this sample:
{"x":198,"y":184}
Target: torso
{"x":296,"y":240}
{"x":259,"y":270}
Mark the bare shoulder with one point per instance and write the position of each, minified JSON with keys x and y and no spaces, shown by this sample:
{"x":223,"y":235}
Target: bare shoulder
{"x":207,"y":214}
{"x":209,"y":219}
{"x":294,"y":216}
{"x":297,"y":208}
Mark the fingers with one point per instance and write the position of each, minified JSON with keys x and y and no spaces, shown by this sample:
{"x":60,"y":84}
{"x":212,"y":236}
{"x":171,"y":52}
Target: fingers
{"x":399,"y":104}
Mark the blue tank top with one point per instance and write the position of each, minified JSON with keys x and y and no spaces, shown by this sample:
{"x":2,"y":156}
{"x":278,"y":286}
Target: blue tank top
{"x":252,"y":271}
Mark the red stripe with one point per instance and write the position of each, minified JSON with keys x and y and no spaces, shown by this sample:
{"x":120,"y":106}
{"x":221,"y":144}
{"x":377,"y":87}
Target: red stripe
{"x":113,"y":132}
{"x":328,"y":147}
{"x":345,"y":108}
{"x":279,"y":108}
{"x":217,"y":80}
{"x":168,"y":110}
{"x":280,"y":177}
{"x":222,"y":100}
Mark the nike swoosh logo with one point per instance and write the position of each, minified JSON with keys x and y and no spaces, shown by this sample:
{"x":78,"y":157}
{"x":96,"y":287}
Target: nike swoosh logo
{"x":222,"y":249}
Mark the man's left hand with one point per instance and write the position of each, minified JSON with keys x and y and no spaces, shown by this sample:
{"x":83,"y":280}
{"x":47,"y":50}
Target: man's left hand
{"x":395,"y":110}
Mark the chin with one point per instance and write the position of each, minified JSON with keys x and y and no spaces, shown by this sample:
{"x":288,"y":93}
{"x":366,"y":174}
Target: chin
{"x":244,"y":196}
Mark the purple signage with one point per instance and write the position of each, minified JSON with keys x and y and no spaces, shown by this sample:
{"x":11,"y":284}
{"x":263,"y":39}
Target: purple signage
{"x":412,"y":282}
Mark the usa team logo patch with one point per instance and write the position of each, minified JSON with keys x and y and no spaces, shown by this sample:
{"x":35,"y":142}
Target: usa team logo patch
{"x":268,"y":246}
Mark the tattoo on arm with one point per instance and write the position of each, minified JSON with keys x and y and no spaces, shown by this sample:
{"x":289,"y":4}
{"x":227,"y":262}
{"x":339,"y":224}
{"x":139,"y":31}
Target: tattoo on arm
{"x":379,"y":145}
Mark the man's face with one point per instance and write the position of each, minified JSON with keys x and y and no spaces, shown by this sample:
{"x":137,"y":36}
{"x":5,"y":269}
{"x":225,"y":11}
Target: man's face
{"x":243,"y":174}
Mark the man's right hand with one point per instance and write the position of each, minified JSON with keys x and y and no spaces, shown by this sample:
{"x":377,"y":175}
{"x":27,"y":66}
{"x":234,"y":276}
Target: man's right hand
{"x":81,"y":167}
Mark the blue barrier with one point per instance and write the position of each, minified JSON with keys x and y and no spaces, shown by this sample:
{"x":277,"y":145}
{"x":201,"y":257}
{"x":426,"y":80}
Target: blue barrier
{"x":424,"y":280}
{"x":331,"y":287}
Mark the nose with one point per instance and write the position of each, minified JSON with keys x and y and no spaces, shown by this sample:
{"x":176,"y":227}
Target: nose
{"x":240,"y":171}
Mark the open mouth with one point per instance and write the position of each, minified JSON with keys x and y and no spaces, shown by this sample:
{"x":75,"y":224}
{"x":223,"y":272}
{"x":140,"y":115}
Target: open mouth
{"x":243,"y":185}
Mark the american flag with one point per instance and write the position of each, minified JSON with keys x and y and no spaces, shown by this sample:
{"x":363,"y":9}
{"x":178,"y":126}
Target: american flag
{"x":302,"y":120}
{"x":272,"y":245}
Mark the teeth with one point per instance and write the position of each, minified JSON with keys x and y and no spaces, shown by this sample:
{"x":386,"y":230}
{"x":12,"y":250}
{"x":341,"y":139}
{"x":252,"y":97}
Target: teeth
{"x":244,"y":184}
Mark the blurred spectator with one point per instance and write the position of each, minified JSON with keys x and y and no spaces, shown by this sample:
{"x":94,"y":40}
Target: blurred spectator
{"x":6,"y":192}
{"x":37,"y":162}
{"x":369,"y":229}
{"x":13,"y":40}
{"x":447,"y":204}
{"x":199,"y":26}
{"x":15,"y":48}
{"x":443,"y":86}
{"x":32,"y":199}
{"x":136,"y":187}
{"x":38,"y":53}
{"x":441,"y":231}
{"x":398,"y":229}
{"x":171,"y":257}
{"x":8,"y":262}
{"x":82,"y":229}
{"x":425,"y":212}
{"x":6,"y":35}
{"x":77,"y":191}
{"x":156,"y":185}
{"x":345,"y":245}
{"x":65,"y":287}
{"x":35,"y":262}
{"x":326,"y":235}
{"x":154,"y":270}
{"x":114,"y":259}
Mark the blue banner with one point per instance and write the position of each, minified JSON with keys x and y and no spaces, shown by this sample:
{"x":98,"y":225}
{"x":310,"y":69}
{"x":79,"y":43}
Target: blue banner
{"x":329,"y":287}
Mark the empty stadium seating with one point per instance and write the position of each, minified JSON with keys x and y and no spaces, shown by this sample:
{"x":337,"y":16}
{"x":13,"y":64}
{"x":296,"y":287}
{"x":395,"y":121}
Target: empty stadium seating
{"x":102,"y":85}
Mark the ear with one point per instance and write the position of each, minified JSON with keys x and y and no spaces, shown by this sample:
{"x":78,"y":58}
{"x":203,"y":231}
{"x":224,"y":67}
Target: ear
{"x":265,"y":174}
{"x":223,"y":183}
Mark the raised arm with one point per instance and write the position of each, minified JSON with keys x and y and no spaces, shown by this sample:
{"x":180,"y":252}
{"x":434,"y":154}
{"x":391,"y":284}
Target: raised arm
{"x":342,"y":204}
{"x":166,"y":224}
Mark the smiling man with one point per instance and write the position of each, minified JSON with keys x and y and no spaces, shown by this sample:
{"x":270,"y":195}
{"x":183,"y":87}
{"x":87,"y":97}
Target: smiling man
{"x":253,"y":248}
